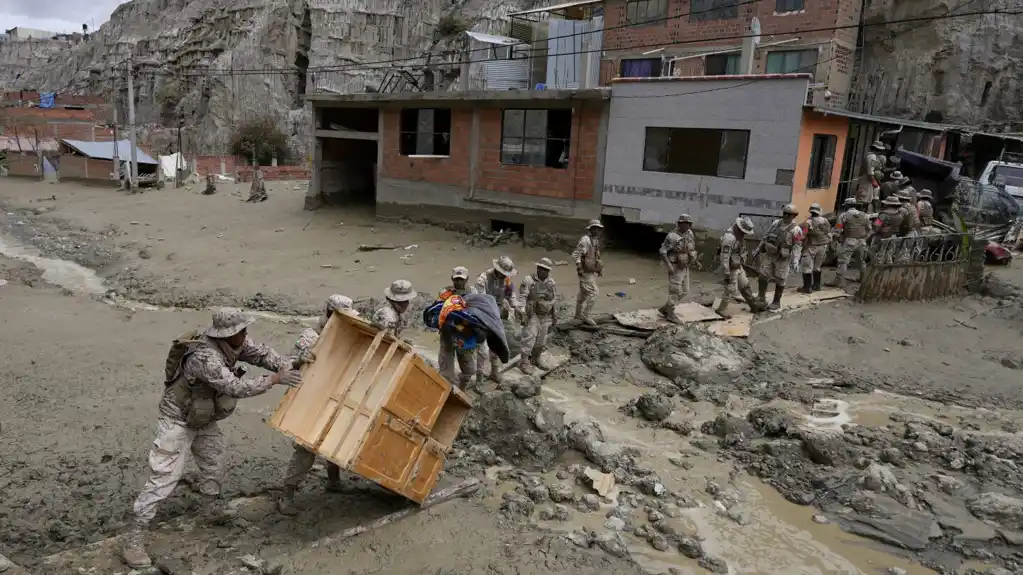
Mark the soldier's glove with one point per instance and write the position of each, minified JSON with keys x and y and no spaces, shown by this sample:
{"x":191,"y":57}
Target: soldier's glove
{"x":290,"y":378}
{"x":303,"y":358}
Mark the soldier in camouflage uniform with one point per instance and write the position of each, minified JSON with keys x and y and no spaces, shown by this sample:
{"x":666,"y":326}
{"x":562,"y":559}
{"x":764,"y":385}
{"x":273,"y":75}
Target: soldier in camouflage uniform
{"x":588,"y":267}
{"x":909,"y":229}
{"x":496,"y":281}
{"x":302,"y":459}
{"x":733,"y":258}
{"x":887,"y":225}
{"x":203,"y":390}
{"x":852,"y":229}
{"x":537,"y":293}
{"x":891,"y":185}
{"x":873,"y":162}
{"x":449,"y":354}
{"x":678,"y":252}
{"x":390,"y":315}
{"x":926,"y":212}
{"x":817,"y":232}
{"x":780,"y":251}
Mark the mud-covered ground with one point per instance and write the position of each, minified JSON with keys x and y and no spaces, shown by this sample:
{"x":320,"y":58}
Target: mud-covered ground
{"x":895,"y":422}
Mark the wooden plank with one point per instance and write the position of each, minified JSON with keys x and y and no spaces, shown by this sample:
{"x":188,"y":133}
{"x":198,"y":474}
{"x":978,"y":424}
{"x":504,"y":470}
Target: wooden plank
{"x":335,"y":399}
{"x":650,"y":319}
{"x":352,"y":443}
{"x":389,"y":453}
{"x":739,"y":325}
{"x":553,"y":357}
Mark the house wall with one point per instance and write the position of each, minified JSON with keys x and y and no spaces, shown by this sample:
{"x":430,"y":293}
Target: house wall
{"x":23,"y":164}
{"x":771,"y":109}
{"x":814,"y":123}
{"x":85,"y":169}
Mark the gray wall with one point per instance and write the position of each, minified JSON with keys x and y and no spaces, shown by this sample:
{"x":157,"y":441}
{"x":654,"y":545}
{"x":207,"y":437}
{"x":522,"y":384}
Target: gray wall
{"x":771,"y":109}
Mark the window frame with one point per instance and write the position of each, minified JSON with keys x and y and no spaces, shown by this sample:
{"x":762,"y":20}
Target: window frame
{"x":780,"y":10}
{"x":661,"y":9}
{"x":658,"y":67}
{"x":685,"y":134}
{"x":785,"y":53}
{"x":712,"y":13}
{"x":550,"y":142}
{"x":729,"y":58}
{"x":442,"y":137}
{"x":821,"y":166}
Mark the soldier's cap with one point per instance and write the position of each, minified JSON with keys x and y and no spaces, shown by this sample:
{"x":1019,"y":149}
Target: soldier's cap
{"x":545,"y":263}
{"x":400,"y":290}
{"x":903,"y":195}
{"x":790,"y":209}
{"x":891,"y":201}
{"x":815,"y":208}
{"x":338,"y":302}
{"x":460,"y":272}
{"x":850,"y":201}
{"x":685,"y":218}
{"x":505,"y":265}
{"x":925,"y":193}
{"x":228,"y":321}
{"x":878,"y":145}
{"x":745,"y":225}
{"x":896,"y":175}
{"x":594,"y":224}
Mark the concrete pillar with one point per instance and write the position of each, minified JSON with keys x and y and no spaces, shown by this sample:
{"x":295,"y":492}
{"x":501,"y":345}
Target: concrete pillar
{"x":314,"y":195}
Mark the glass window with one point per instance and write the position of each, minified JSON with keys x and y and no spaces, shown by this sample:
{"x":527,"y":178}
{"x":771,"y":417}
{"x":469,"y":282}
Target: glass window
{"x":697,"y":151}
{"x":704,"y":10}
{"x":788,"y":5}
{"x":792,"y":62}
{"x":721,"y":65}
{"x":536,"y":137}
{"x":425,"y":132}
{"x":822,"y":160}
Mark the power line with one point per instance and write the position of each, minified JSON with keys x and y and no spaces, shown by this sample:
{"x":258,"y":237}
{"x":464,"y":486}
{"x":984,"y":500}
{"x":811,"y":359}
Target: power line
{"x":376,"y":65}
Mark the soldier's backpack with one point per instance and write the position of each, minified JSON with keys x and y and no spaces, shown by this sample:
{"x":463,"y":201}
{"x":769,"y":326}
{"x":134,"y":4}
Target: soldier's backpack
{"x":180,"y":347}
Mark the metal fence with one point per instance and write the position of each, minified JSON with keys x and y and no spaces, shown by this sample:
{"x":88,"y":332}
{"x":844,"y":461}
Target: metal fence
{"x":918,"y":268}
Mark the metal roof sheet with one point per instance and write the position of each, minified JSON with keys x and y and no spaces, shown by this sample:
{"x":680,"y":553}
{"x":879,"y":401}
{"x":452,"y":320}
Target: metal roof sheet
{"x":556,"y":7}
{"x":492,"y":39}
{"x":105,"y":150}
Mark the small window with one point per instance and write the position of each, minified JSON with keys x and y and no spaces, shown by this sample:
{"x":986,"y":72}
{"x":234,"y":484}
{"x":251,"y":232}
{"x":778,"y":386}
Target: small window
{"x":425,"y":132}
{"x":788,"y":5}
{"x":640,"y":11}
{"x":721,"y":65}
{"x":536,"y":137}
{"x":704,"y":10}
{"x":822,"y":160}
{"x":792,"y":62}
{"x":641,"y":68}
{"x":697,"y":151}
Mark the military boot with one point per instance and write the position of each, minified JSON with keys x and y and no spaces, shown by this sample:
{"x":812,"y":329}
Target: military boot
{"x":134,"y":550}
{"x":807,"y":284}
{"x":216,"y":511}
{"x":534,"y":358}
{"x":776,"y":302}
{"x":817,"y":280}
{"x":333,"y":478}
{"x":754,"y":305}
{"x":286,"y":502}
{"x":495,"y":371}
{"x":722,"y":308}
{"x":668,"y":311}
{"x":762,"y":292}
{"x":526,"y":366}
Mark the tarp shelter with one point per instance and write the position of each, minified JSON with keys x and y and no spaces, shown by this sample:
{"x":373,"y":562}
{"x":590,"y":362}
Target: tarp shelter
{"x":169,"y":165}
{"x":105,"y":151}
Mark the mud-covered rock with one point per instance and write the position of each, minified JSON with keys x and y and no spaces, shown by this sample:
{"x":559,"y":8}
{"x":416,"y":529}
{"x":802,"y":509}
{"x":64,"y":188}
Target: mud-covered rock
{"x":680,"y":425}
{"x":771,"y":421}
{"x":1005,"y":510}
{"x":560,"y":492}
{"x":510,"y":427}
{"x":690,"y":547}
{"x":828,"y":448}
{"x":586,"y":437}
{"x":726,"y":425}
{"x":589,"y":503}
{"x":688,"y":353}
{"x":713,"y":564}
{"x":658,"y":541}
{"x":514,"y":504}
{"x":654,"y":406}
{"x":613,"y":543}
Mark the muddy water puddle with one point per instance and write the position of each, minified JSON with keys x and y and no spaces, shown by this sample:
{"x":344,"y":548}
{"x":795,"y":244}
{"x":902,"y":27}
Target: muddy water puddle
{"x":777,"y":537}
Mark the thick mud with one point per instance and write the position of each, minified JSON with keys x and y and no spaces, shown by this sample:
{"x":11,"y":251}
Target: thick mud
{"x":845,"y":438}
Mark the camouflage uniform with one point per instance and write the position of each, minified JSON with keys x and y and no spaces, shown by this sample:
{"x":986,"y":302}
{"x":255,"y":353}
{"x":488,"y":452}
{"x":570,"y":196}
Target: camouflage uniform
{"x":448,"y":354}
{"x":909,"y":229}
{"x":387,"y":318}
{"x":203,"y":390}
{"x":733,"y":258}
{"x":853,"y":227}
{"x":679,"y":250}
{"x":926,"y":211}
{"x":501,"y":287}
{"x":781,"y":249}
{"x":872,"y":162}
{"x":589,"y":267}
{"x":887,"y":225}
{"x":538,"y":299}
{"x":815,"y":247}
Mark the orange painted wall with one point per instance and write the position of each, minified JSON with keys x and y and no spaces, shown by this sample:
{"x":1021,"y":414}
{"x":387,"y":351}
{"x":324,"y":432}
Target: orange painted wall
{"x":816,"y":123}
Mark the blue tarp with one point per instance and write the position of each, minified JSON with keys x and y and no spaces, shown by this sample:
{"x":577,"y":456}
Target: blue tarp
{"x":46,"y":99}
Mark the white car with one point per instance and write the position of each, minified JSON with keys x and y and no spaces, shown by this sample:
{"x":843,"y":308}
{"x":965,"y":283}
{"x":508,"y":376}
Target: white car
{"x":1007,"y":174}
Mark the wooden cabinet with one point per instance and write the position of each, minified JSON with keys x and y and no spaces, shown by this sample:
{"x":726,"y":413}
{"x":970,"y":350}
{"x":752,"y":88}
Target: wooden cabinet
{"x":374,"y":407}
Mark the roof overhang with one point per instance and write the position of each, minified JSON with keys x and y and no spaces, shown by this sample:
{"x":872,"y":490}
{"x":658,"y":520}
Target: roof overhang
{"x":457,"y":98}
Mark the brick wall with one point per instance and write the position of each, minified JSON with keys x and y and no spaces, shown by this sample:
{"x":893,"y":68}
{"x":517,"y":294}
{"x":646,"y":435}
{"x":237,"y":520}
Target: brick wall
{"x":453,"y":170}
{"x":205,"y":165}
{"x":271,"y":173}
{"x":23,"y":164}
{"x":73,"y":167}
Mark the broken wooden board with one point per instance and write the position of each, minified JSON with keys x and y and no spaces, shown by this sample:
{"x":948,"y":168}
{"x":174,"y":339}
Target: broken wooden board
{"x":651,"y":319}
{"x":553,"y":358}
{"x":738,"y":325}
{"x":793,"y":300}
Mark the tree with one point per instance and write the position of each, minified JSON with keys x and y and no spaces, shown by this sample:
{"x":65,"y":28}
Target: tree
{"x":262,"y":139}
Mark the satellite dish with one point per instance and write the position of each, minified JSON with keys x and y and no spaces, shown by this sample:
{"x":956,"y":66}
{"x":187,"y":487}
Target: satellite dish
{"x":754,"y":28}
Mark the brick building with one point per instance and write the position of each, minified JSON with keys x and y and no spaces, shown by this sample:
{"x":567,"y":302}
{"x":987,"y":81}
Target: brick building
{"x":704,"y":37}
{"x":72,"y":116}
{"x":520,"y":157}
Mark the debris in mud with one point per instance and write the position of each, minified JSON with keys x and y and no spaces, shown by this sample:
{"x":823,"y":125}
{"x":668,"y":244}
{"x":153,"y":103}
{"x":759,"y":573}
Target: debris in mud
{"x":585,"y":436}
{"x":526,"y":432}
{"x":487,"y":239}
{"x":514,"y":504}
{"x":1005,"y":510}
{"x":602,"y":483}
{"x":690,"y":547}
{"x":613,"y":543}
{"x":5,"y":564}
{"x":713,"y":564}
{"x":651,"y":406}
{"x":688,"y":353}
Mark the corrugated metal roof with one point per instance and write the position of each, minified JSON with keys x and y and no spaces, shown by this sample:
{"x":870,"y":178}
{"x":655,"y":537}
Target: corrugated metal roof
{"x":887,"y":120}
{"x":105,"y":150}
{"x":556,"y":7}
{"x":492,"y":39}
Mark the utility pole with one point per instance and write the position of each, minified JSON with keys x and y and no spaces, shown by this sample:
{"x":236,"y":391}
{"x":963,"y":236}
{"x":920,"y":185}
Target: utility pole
{"x":131,"y":125}
{"x":180,"y":156}
{"x":117,"y":159}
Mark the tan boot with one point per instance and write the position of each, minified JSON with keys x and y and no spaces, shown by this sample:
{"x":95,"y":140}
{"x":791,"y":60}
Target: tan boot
{"x":722,"y":308}
{"x":495,"y":371}
{"x":134,"y":550}
{"x":534,"y":358}
{"x":526,"y":366}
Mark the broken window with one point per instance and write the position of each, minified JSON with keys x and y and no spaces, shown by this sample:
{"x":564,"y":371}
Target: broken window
{"x":704,"y":10}
{"x":639,"y":11}
{"x":721,"y":65}
{"x":536,"y":137}
{"x":788,"y":5}
{"x":822,"y":160}
{"x":792,"y":62}
{"x":425,"y":132}
{"x":697,"y":151}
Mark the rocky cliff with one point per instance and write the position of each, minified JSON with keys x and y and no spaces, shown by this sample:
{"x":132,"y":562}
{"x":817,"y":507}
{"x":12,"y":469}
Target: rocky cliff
{"x":212,"y":64}
{"x":965,"y":70}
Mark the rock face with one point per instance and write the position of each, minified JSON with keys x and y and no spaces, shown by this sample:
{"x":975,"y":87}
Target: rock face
{"x":687,"y":354}
{"x":219,"y":62}
{"x":969,"y":69}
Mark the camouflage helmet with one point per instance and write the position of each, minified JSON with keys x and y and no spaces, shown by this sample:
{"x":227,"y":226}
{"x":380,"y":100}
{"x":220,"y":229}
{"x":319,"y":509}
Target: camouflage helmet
{"x":891,"y":201}
{"x":850,"y":201}
{"x":545,"y":263}
{"x":594,"y":224}
{"x":744,"y":224}
{"x":685,"y":219}
{"x":460,"y":272}
{"x":505,"y":266}
{"x":400,"y":290}
{"x":228,"y":321}
{"x":896,"y":176}
{"x":878,"y":145}
{"x":815,"y":208}
{"x":338,"y":302}
{"x":925,"y":194}
{"x":903,"y":195}
{"x":790,"y":209}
